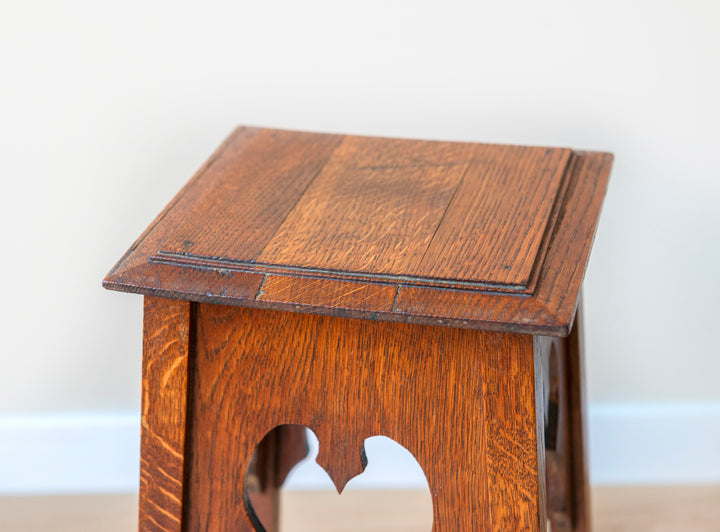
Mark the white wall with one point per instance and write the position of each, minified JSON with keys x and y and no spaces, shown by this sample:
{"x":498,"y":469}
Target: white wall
{"x":107,"y":108}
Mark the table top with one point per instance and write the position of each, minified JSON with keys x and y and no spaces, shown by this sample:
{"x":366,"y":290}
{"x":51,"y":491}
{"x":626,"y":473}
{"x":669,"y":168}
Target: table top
{"x":446,"y":233}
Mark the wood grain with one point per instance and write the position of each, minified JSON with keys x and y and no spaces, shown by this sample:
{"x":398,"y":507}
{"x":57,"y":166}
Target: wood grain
{"x":562,"y":404}
{"x":349,"y":380}
{"x":442,"y":393}
{"x":515,"y":473}
{"x":135,"y":273}
{"x":374,"y":208}
{"x":579,"y":488}
{"x":489,"y":241}
{"x":496,"y":221}
{"x":551,"y":309}
{"x":249,"y":192}
{"x":468,"y":235}
{"x":329,"y":293}
{"x":166,"y":345}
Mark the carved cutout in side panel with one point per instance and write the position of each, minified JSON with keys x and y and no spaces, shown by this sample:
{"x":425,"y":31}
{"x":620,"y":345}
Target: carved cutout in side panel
{"x":274,"y":457}
{"x":557,"y":438}
{"x":259,"y":486}
{"x":351,"y":379}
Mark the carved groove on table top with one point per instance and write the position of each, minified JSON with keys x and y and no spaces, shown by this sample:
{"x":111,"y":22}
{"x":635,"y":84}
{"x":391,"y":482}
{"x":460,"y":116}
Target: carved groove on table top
{"x":188,"y":260}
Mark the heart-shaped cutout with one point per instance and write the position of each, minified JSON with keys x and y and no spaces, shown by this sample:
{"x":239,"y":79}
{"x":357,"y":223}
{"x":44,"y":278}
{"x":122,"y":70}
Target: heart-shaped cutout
{"x":391,"y":493}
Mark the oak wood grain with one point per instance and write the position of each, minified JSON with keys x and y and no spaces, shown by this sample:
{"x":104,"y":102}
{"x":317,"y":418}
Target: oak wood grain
{"x":442,"y":393}
{"x":490,"y":241}
{"x":249,"y":191}
{"x":515,"y":473}
{"x":562,"y":407}
{"x":374,"y":208}
{"x":166,"y":345}
{"x":551,"y":309}
{"x":496,"y":221}
{"x":135,"y":273}
{"x":345,"y":295}
{"x":463,"y":234}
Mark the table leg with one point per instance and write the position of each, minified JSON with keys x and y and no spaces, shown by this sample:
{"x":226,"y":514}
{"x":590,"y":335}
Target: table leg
{"x":578,"y":424}
{"x":166,"y":347}
{"x":564,"y":412}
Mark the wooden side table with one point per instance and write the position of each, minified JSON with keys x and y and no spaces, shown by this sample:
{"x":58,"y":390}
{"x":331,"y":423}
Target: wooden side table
{"x":425,"y":291}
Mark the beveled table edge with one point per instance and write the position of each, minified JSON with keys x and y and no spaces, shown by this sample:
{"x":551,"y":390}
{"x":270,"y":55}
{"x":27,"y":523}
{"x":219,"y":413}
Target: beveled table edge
{"x":549,"y":310}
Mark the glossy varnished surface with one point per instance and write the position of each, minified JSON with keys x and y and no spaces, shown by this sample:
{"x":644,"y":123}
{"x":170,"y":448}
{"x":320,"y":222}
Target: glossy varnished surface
{"x":462,"y":234}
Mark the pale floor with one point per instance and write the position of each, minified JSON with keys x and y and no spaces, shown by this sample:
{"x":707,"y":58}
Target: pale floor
{"x":681,"y":509}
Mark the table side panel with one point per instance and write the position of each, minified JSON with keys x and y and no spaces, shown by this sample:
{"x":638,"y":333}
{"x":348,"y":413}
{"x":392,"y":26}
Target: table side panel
{"x":347,"y":380}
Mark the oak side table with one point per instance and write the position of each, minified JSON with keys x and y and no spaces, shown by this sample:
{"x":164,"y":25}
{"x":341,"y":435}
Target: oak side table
{"x":425,"y":291}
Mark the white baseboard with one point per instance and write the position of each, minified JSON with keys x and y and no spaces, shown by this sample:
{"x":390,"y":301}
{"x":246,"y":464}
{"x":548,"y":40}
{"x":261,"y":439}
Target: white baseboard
{"x":69,"y":453}
{"x":99,"y":452}
{"x":655,"y":444}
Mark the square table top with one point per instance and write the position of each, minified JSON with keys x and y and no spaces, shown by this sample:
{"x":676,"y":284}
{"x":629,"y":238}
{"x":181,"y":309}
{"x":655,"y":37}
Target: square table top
{"x":448,"y":233}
